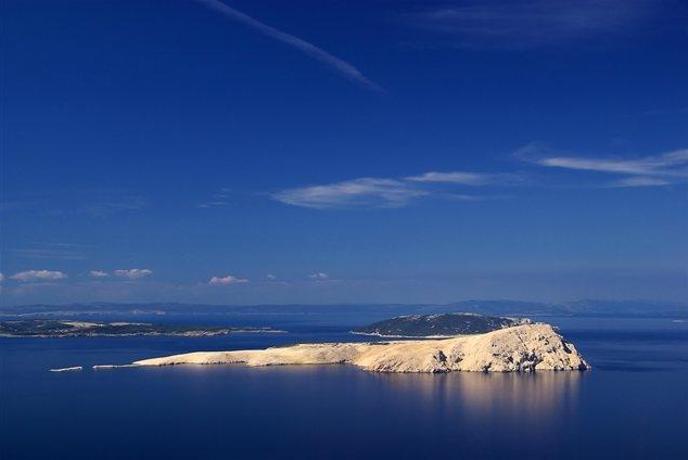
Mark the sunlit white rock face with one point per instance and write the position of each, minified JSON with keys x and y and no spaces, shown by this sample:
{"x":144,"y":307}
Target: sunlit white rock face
{"x":521,"y":348}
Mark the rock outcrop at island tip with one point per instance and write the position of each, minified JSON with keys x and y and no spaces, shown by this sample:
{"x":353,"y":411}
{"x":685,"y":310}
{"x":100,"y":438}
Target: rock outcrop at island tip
{"x":525,"y":348}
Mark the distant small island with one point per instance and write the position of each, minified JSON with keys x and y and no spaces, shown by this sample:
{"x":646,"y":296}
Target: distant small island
{"x":70,"y":328}
{"x":440,"y":325}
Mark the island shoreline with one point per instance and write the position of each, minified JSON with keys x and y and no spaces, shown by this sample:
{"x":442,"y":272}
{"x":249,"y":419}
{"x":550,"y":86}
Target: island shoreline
{"x":525,"y":348}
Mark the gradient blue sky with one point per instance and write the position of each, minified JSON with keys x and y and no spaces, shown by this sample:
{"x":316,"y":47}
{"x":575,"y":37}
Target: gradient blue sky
{"x":378,"y":151}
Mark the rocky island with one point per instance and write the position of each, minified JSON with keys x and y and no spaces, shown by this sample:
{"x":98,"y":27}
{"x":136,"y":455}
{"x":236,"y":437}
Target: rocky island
{"x":519,"y":348}
{"x":65,"y":328}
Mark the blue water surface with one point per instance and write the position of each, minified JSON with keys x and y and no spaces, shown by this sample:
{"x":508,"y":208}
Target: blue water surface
{"x":632,"y":404}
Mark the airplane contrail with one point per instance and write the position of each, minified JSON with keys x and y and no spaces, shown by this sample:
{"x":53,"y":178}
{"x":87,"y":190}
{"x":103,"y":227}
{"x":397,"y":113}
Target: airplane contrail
{"x":342,"y":67}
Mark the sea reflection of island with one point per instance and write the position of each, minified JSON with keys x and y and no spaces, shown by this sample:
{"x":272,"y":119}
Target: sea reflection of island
{"x":537,"y":398}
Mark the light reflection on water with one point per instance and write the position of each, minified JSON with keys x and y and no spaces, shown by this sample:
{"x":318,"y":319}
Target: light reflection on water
{"x":538,"y":394}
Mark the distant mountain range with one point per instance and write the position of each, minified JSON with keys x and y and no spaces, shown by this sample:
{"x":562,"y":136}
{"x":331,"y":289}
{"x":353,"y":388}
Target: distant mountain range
{"x":354,"y":313}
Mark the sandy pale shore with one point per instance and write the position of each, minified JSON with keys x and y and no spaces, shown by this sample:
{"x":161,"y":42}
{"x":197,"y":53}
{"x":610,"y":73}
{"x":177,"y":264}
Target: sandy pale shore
{"x":521,"y":348}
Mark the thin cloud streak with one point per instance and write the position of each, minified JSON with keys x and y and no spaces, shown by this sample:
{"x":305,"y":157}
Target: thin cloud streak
{"x":639,"y":181}
{"x":655,"y":170}
{"x":467,"y":178}
{"x":90,"y":202}
{"x":654,"y":165}
{"x":376,"y":192}
{"x":363,"y":192}
{"x":455,"y":177}
{"x":59,"y":251}
{"x":522,"y":24}
{"x":339,"y":65}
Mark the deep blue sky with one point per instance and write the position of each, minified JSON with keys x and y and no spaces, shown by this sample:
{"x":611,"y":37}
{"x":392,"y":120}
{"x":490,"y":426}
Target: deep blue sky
{"x":287,"y":153}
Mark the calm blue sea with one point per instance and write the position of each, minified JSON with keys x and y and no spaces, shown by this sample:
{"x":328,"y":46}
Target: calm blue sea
{"x":633,"y":404}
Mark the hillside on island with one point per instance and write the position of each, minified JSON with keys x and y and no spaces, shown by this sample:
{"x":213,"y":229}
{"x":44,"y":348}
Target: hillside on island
{"x":448,"y":324}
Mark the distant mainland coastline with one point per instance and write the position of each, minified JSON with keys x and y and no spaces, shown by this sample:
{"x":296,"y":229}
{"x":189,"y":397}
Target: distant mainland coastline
{"x":51,"y":328}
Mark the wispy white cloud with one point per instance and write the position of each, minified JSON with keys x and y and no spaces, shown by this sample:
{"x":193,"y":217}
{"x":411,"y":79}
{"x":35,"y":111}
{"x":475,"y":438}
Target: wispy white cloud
{"x":654,"y":170}
{"x":2,"y":277}
{"x":38,"y":275}
{"x":319,"y":276}
{"x":270,"y":277}
{"x":218,"y":199}
{"x":463,"y":197}
{"x":115,"y":205}
{"x":133,"y":273}
{"x":363,"y":192}
{"x":96,"y":203}
{"x":339,"y":65}
{"x":661,"y":165}
{"x":639,"y":181}
{"x":226,"y":280}
{"x":454,"y":177}
{"x":213,"y":204}
{"x":98,"y":274}
{"x":62,"y":251}
{"x":376,"y":192}
{"x":464,"y":178}
{"x":519,"y":24}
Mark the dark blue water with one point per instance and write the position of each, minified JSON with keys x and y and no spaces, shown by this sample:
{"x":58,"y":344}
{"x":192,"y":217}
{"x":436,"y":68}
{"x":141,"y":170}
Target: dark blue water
{"x":633,"y":404}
